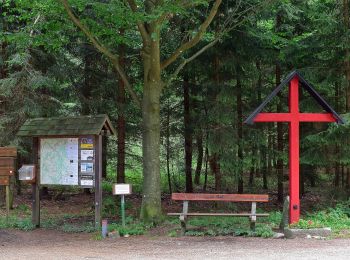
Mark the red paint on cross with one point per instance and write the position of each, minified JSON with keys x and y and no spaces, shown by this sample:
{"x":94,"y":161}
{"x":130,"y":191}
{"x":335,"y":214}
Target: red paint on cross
{"x":294,"y":117}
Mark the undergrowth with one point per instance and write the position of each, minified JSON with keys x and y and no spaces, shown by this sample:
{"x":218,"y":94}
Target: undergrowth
{"x":132,"y":227}
{"x":338,"y":218}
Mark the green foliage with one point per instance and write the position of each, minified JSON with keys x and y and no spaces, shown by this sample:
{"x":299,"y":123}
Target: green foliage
{"x":220,"y":226}
{"x":172,"y":233}
{"x":263,"y":231}
{"x":338,"y":218}
{"x":110,"y":205}
{"x":23,"y":208}
{"x":73,"y":228}
{"x":17,"y":223}
{"x":131,"y":228}
{"x":275,"y":218}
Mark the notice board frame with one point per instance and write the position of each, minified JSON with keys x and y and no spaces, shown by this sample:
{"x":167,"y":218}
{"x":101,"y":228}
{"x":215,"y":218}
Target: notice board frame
{"x":97,"y":174}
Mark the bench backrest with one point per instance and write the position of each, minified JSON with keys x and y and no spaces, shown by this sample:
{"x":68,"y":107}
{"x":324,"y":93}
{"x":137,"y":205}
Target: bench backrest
{"x":221,"y":197}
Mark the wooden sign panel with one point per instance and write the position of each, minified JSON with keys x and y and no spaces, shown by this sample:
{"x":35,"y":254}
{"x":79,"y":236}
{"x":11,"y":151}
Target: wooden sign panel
{"x":8,"y":152}
{"x":87,"y":164}
{"x":121,"y":189}
{"x":4,"y":180}
{"x":6,"y":171}
{"x":59,"y":161}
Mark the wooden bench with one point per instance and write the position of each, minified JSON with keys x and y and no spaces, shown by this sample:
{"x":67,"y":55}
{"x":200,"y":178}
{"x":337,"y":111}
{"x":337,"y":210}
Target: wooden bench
{"x":186,"y":197}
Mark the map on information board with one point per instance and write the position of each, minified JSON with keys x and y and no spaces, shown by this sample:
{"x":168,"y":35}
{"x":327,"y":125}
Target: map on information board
{"x":59,"y":161}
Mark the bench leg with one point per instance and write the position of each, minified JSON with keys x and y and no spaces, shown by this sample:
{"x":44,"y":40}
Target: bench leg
{"x":183,"y":224}
{"x":253,"y":217}
{"x":183,"y":217}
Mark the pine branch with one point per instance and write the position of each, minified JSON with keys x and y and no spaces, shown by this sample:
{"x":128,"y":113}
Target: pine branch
{"x":184,"y":47}
{"x":141,"y":26}
{"x":229,"y":24}
{"x":103,"y":49}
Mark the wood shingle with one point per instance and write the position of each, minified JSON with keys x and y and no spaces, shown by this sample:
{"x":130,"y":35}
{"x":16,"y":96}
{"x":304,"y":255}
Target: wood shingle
{"x":66,"y":126}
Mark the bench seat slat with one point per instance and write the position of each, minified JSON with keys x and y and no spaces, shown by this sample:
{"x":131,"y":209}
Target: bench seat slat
{"x":220,"y":214}
{"x":220,"y":197}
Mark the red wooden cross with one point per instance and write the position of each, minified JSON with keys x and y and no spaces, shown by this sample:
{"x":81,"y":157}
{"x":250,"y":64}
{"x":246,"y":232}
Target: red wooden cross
{"x":294,"y":117}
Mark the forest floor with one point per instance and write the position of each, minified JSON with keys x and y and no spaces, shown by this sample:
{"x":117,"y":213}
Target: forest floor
{"x":67,"y":232}
{"x":53,"y":244}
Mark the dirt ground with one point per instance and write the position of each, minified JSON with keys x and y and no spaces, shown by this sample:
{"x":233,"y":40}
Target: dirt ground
{"x":51,"y":244}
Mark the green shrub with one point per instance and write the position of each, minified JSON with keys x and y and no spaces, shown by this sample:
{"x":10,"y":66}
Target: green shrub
{"x":17,"y":223}
{"x":263,"y":231}
{"x":110,"y":206}
{"x":336,"y":218}
{"x":71,"y":228}
{"x":132,"y":228}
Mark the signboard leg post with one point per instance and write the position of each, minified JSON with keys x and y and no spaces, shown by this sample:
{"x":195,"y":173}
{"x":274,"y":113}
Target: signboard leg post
{"x":35,"y":186}
{"x":122,"y":205}
{"x":98,"y":185}
{"x":7,"y":202}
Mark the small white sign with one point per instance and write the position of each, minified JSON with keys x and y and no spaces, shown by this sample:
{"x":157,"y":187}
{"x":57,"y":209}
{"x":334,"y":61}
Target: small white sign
{"x":87,"y":155}
{"x":87,"y":182}
{"x":121,"y":189}
{"x":87,"y":167}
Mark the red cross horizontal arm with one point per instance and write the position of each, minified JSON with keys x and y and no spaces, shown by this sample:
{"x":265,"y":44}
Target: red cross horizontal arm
{"x":294,"y":117}
{"x":302,"y":117}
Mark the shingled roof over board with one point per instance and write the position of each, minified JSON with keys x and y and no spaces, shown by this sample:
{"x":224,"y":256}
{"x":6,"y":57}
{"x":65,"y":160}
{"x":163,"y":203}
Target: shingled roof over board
{"x":67,"y":126}
{"x":304,"y":84}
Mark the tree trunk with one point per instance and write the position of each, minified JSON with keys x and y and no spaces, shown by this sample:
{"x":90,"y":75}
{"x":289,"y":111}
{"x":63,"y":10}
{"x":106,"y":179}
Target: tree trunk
{"x":251,"y":173}
{"x":206,"y":169}
{"x":200,"y":151}
{"x":239,"y":132}
{"x":214,"y":158}
{"x":151,"y":203}
{"x":168,"y":147}
{"x":279,"y":165}
{"x":303,"y":171}
{"x":151,"y":210}
{"x":121,"y":126}
{"x":268,"y":156}
{"x":337,"y":174}
{"x":187,"y":135}
{"x":90,"y":59}
{"x":3,"y":74}
{"x":347,"y":53}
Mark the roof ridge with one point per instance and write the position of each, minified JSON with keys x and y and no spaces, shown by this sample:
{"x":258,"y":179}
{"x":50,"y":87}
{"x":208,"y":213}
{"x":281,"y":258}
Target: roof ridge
{"x":306,"y":85}
{"x":69,"y":117}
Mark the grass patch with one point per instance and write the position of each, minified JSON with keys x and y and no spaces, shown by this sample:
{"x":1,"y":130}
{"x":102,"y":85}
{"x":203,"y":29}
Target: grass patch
{"x":15,"y":222}
{"x":71,"y":228}
{"x":336,"y":218}
{"x":131,"y":228}
{"x":221,"y":226}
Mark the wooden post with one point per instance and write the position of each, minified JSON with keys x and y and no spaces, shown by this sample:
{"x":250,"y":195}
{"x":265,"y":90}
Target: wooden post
{"x":294,"y":207}
{"x":183,"y":216}
{"x":98,"y":184}
{"x":36,"y":185}
{"x":253,"y":216}
{"x":7,"y":201}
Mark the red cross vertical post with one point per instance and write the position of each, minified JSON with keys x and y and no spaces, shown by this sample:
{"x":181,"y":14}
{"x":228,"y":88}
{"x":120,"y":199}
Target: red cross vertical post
{"x":294,"y":117}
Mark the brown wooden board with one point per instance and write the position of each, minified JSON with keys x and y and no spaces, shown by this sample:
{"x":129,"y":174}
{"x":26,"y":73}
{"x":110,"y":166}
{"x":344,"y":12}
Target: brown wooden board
{"x":7,"y":161}
{"x":8,"y":152}
{"x":7,"y":171}
{"x":4,"y":180}
{"x":220,"y":214}
{"x":221,"y":197}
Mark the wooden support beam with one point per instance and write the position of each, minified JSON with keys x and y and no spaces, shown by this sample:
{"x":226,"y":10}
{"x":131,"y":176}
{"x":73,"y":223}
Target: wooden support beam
{"x":98,"y":180}
{"x":253,"y":216}
{"x":221,"y":197}
{"x":36,"y":185}
{"x":7,"y":201}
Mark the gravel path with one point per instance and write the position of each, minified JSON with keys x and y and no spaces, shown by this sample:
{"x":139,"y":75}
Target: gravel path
{"x":46,"y":244}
